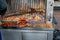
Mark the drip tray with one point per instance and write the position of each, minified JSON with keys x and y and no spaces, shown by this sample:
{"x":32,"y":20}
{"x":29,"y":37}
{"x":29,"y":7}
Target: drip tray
{"x":30,"y":28}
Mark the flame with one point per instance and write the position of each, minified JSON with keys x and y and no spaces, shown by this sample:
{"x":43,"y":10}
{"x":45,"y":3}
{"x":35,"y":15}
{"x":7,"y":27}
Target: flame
{"x":37,"y":17}
{"x":24,"y":22}
{"x":29,"y":18}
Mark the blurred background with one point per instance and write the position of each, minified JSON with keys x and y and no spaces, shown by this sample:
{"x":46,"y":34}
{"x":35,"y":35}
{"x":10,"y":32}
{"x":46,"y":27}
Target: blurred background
{"x":57,"y":13}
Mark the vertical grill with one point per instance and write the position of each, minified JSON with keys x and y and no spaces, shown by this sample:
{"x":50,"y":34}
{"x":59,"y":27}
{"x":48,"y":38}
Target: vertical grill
{"x":15,"y":4}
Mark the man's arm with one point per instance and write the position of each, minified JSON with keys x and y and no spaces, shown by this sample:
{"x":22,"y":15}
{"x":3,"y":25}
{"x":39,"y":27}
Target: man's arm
{"x":3,"y":8}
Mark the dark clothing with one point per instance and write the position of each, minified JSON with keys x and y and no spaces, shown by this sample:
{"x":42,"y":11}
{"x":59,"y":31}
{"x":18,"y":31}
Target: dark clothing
{"x":2,"y":12}
{"x":54,"y":21}
{"x":3,"y":7}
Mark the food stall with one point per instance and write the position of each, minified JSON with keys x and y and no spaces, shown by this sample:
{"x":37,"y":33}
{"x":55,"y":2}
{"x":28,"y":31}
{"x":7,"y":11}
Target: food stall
{"x":28,"y":20}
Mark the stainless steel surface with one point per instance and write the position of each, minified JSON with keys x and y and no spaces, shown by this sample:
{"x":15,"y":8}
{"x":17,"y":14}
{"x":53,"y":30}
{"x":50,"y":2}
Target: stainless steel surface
{"x":34,"y":36}
{"x":17,"y":34}
{"x":37,"y":29}
{"x":49,"y":11}
{"x":11,"y":35}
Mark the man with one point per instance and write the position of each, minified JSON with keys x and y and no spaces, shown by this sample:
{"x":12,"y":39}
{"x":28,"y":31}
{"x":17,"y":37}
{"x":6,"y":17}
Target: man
{"x":3,"y":8}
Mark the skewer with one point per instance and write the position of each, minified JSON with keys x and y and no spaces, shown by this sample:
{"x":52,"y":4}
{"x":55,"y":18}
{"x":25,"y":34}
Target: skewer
{"x":23,"y":12}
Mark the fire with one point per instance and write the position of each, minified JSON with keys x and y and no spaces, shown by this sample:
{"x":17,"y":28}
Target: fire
{"x":37,"y":17}
{"x":23,"y":21}
{"x":34,"y":16}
